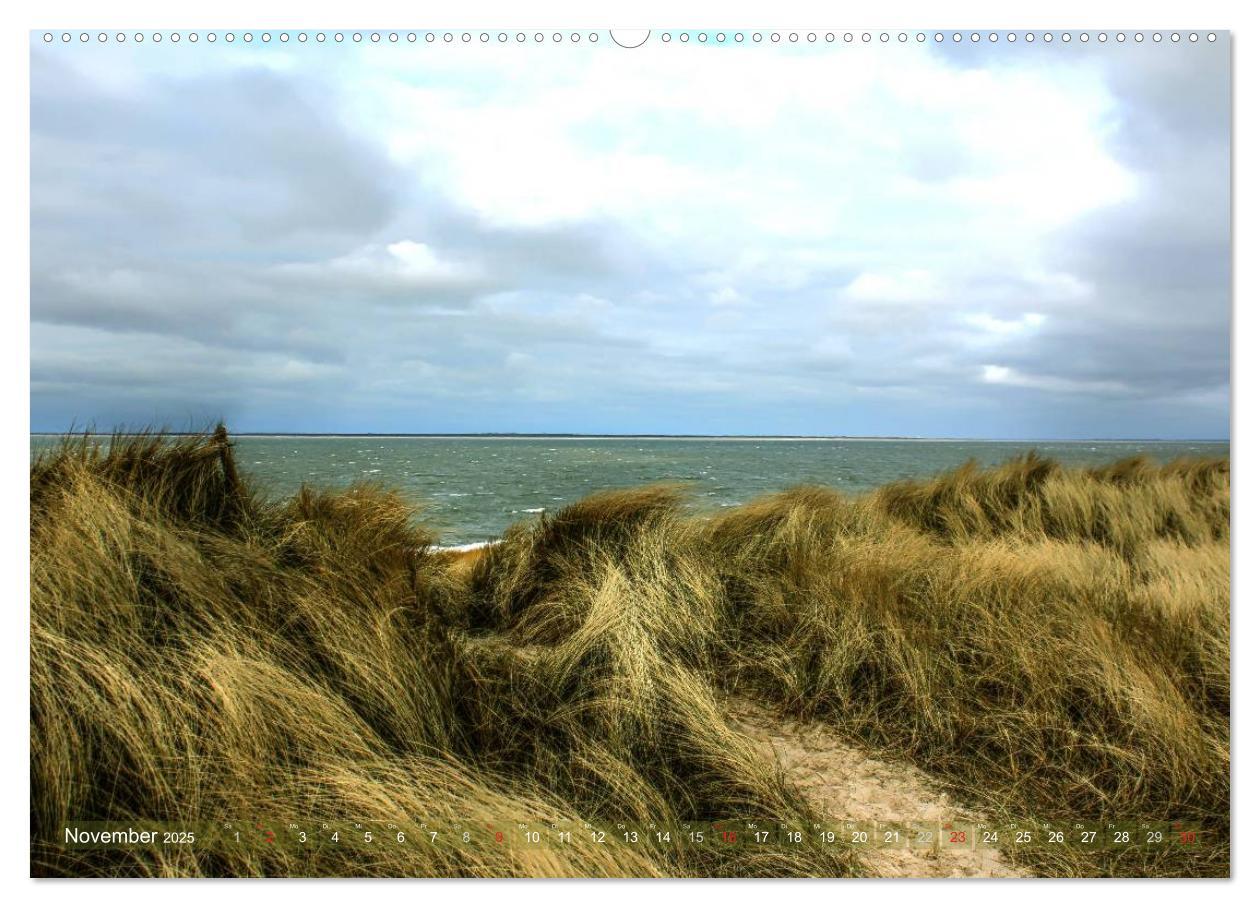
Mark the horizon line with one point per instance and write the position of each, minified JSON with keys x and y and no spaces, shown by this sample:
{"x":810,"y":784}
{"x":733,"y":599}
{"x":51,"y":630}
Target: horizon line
{"x":630,"y":435}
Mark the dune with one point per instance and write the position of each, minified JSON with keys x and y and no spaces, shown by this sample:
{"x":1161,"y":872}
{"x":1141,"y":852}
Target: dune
{"x":1023,"y":641}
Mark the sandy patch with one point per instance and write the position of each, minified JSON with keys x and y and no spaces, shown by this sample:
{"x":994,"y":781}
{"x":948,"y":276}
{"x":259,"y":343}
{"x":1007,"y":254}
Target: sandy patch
{"x":847,"y":783}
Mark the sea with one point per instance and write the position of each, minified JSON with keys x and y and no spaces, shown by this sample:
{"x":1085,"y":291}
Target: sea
{"x":470,"y":489}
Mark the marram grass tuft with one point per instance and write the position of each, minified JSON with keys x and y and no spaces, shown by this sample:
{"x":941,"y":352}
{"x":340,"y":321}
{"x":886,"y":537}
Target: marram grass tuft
{"x":1050,"y":643}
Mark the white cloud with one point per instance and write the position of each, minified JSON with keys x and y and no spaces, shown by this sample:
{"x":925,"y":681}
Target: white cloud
{"x":400,"y":265}
{"x":913,"y":286}
{"x":759,"y":140}
{"x":1001,"y":327}
{"x":726,"y":296}
{"x":1004,"y":375}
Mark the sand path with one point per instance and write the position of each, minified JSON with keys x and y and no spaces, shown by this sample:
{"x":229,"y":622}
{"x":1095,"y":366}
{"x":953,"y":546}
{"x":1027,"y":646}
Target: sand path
{"x":846,"y":783}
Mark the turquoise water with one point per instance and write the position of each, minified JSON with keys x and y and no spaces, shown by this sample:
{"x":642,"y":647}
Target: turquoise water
{"x":474,"y":488}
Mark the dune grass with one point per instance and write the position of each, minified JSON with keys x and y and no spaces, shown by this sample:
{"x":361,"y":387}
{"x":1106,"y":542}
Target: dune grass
{"x":1051,"y":643}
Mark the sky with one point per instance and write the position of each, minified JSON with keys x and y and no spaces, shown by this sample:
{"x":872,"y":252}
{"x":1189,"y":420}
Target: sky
{"x":1008,"y":241}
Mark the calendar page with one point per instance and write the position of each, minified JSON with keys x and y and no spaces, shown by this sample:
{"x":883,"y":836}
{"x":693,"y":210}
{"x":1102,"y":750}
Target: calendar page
{"x":740,"y":451}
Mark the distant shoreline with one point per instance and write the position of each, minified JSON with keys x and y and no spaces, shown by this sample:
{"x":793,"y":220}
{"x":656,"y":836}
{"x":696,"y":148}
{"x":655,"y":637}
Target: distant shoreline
{"x":561,"y":436}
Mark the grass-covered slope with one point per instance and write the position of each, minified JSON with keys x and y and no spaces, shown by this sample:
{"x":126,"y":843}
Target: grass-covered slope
{"x":1052,"y":643}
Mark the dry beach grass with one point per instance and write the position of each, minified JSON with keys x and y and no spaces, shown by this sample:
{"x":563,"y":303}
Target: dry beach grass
{"x":1045,"y":643}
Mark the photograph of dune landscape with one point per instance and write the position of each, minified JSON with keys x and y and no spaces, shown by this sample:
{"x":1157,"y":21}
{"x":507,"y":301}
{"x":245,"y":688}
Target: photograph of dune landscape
{"x":740,"y":453}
